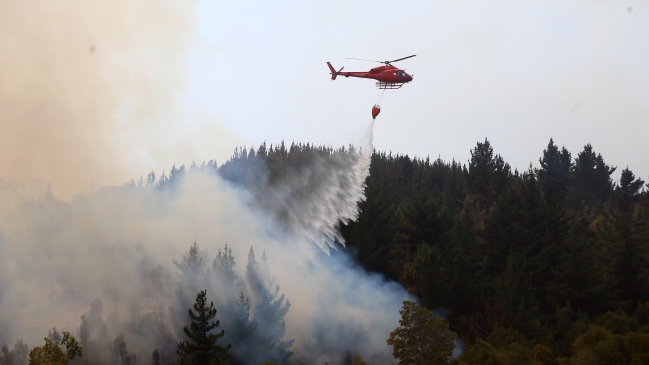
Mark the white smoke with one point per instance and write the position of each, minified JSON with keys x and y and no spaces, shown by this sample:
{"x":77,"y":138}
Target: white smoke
{"x":117,"y":244}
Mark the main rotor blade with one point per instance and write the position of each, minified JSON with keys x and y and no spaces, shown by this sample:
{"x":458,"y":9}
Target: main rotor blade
{"x":401,"y":59}
{"x":341,"y":68}
{"x":361,"y":59}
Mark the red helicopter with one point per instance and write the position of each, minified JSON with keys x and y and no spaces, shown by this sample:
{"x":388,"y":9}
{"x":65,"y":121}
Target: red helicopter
{"x":387,"y":77}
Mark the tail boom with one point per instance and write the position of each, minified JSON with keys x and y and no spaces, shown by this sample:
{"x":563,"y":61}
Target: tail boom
{"x":333,"y":71}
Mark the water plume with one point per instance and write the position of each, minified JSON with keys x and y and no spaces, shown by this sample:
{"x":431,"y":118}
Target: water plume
{"x":323,"y":193}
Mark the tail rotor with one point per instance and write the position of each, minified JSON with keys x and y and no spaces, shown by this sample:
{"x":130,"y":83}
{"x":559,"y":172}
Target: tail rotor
{"x":334,"y":73}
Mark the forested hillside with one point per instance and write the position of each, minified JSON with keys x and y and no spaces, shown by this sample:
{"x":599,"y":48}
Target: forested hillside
{"x":532,"y":257}
{"x":545,"y":266}
{"x":512,"y":259}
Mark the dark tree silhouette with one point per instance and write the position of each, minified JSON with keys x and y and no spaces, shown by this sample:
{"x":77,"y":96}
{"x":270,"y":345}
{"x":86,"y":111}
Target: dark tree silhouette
{"x":120,"y":354}
{"x":592,"y":177}
{"x":201,"y":349}
{"x":270,"y":308}
{"x":629,"y":185}
{"x":487,"y":174}
{"x":190,"y":264}
{"x":554,"y":174}
{"x":224,"y":264}
{"x":155,"y":357}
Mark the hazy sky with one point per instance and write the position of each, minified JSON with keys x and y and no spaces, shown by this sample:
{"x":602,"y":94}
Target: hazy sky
{"x":101,"y":92}
{"x":516,"y":72}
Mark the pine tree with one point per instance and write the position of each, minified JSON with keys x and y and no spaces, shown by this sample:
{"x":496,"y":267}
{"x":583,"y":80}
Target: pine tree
{"x":603,"y":181}
{"x":487,"y":174}
{"x":462,"y":263}
{"x":224,"y":265}
{"x":93,"y":324}
{"x":625,"y":248}
{"x":120,"y":354}
{"x":591,"y":177}
{"x":242,"y":331}
{"x":480,"y":166}
{"x":554,"y":174}
{"x":629,"y":185}
{"x":93,"y":335}
{"x":270,"y":308}
{"x":576,"y":277}
{"x":190,"y":264}
{"x":17,"y":356}
{"x":202,"y":348}
{"x":54,"y":335}
{"x":155,"y":357}
{"x":243,"y":328}
{"x":191,"y":275}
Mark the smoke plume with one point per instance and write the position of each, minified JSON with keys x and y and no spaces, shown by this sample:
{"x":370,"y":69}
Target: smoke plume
{"x":88,"y":88}
{"x":87,"y":95}
{"x":115,"y":248}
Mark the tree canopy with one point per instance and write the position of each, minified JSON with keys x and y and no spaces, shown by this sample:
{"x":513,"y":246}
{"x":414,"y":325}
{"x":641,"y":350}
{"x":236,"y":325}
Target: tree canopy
{"x":201,"y":349}
{"x":421,"y":338}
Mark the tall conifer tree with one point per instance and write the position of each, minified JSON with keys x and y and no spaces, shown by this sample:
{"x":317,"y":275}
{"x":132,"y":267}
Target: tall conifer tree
{"x":201,"y":349}
{"x":554,"y":174}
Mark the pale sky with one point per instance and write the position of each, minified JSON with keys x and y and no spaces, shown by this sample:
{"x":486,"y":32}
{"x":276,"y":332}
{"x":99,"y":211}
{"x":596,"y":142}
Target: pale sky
{"x":98,"y":92}
{"x":516,"y":72}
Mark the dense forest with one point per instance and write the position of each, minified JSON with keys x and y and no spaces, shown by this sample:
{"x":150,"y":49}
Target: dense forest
{"x":544,"y":266}
{"x":512,"y":258}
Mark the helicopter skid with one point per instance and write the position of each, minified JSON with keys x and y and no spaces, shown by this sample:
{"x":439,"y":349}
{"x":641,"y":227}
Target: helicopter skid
{"x":388,"y":85}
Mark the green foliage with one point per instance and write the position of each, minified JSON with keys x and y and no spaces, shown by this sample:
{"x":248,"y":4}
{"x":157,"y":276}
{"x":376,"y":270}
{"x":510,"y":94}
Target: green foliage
{"x":502,"y":337}
{"x":599,"y":346}
{"x":591,"y":177}
{"x":73,"y":350}
{"x":488,"y":174}
{"x":358,"y":360}
{"x":629,"y":186}
{"x":252,"y":339}
{"x":618,"y":322}
{"x":547,"y":266}
{"x":50,"y":354}
{"x":544,"y":356}
{"x":353,"y":359}
{"x":542,"y":254}
{"x":484,"y":352}
{"x":201,"y":349}
{"x":421,"y":339}
{"x":554,"y":174}
{"x":546,"y":252}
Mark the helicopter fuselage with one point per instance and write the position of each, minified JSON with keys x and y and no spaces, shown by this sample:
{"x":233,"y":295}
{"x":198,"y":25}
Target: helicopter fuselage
{"x":387,"y":74}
